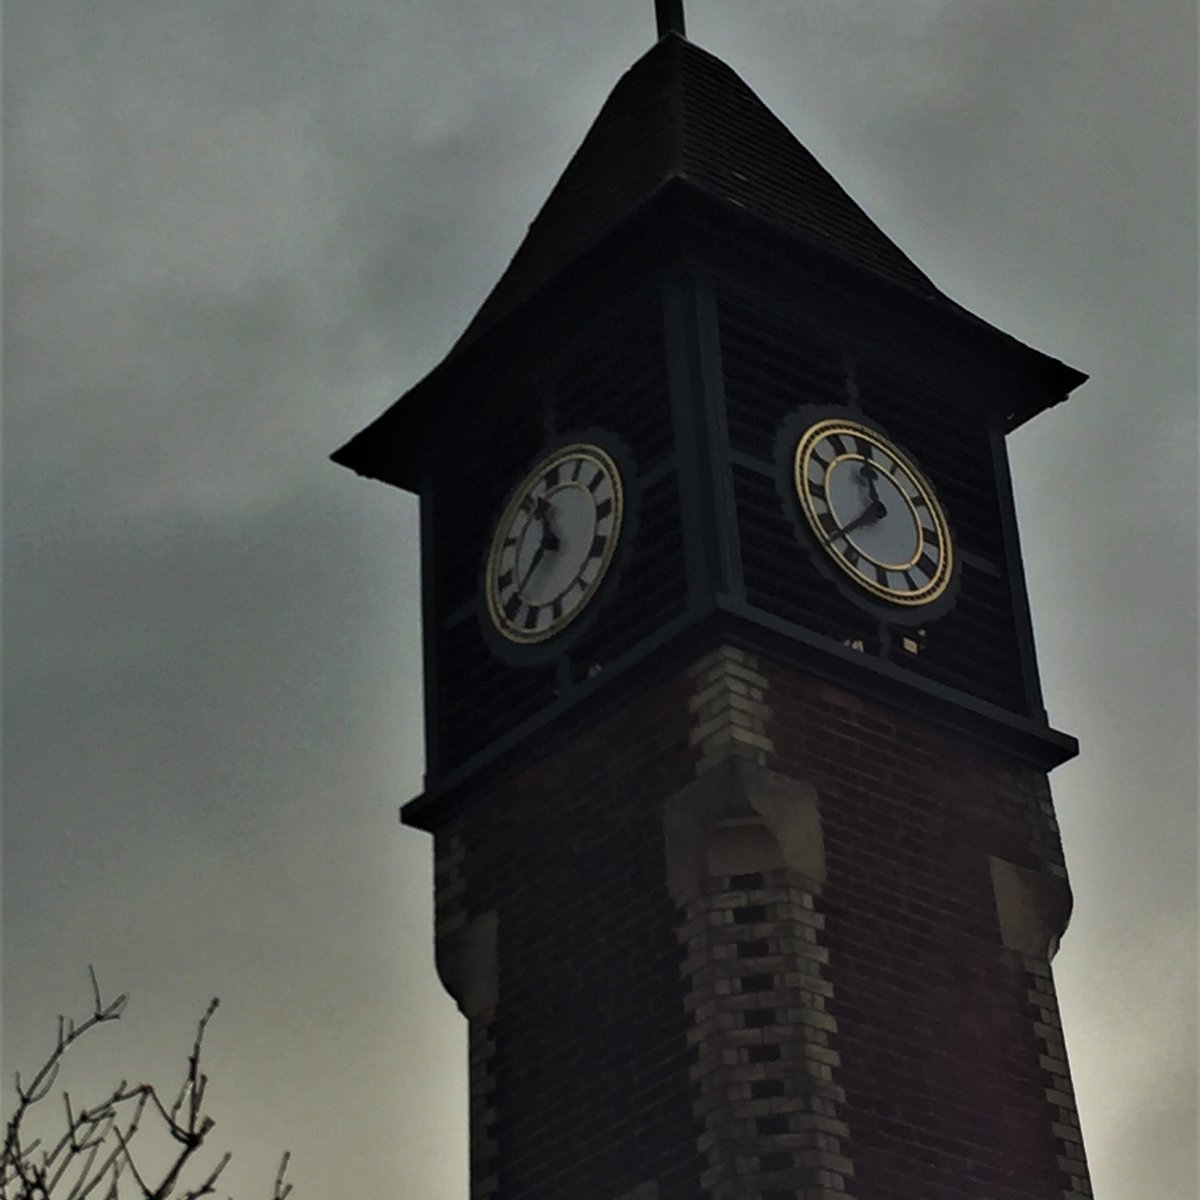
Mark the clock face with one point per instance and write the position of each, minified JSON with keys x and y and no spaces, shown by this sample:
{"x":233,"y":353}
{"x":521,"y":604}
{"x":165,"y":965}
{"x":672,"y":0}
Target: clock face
{"x":553,"y":543}
{"x":872,"y":512}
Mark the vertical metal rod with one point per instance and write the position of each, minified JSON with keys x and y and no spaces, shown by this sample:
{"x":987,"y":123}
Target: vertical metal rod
{"x":670,"y":17}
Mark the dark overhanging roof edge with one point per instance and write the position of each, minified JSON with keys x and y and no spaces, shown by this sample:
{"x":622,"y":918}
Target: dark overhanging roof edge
{"x":356,"y":454}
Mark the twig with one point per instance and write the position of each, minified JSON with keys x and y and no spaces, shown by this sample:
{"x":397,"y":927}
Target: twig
{"x":95,"y":1153}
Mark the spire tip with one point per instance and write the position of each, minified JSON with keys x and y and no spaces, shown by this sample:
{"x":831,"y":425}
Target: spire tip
{"x":669,"y":14}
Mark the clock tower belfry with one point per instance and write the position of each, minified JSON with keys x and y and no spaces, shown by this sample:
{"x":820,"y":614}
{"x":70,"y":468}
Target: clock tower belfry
{"x":747,"y":873}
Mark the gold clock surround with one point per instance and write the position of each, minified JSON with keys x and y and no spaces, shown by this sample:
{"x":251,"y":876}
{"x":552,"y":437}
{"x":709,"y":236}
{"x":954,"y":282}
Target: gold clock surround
{"x":913,"y":580}
{"x":587,"y":471}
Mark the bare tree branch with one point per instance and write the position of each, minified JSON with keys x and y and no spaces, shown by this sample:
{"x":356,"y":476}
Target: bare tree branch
{"x":94,"y":1156}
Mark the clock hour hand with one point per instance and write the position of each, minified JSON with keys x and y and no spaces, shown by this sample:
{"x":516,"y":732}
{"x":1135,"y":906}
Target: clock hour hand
{"x":541,"y":511}
{"x":869,"y":475}
{"x":873,"y":512}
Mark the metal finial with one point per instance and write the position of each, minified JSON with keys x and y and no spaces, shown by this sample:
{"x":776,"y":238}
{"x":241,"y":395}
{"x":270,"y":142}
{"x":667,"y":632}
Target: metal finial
{"x":670,"y":17}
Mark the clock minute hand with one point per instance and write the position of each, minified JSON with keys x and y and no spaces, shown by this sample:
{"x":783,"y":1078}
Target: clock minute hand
{"x":873,"y":512}
{"x":533,"y":562}
{"x":549,"y":541}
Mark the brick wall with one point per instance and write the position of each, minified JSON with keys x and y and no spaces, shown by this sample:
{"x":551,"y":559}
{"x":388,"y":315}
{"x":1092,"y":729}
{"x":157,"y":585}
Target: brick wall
{"x":751,"y":936}
{"x":949,"y":1091}
{"x":589,"y":1093}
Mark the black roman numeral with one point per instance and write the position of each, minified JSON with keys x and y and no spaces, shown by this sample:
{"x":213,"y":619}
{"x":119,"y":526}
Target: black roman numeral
{"x":512,"y":606}
{"x":531,"y":617}
{"x":926,"y":566}
{"x":598,"y":544}
{"x":551,"y":476}
{"x":578,"y":468}
{"x":505,"y":579}
{"x":603,"y":509}
{"x":556,"y":608}
{"x":595,"y":481}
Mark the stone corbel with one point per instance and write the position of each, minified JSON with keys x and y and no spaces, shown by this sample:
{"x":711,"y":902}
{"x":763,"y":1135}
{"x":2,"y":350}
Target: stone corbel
{"x":1033,"y":908}
{"x":738,"y":818}
{"x":467,"y":965}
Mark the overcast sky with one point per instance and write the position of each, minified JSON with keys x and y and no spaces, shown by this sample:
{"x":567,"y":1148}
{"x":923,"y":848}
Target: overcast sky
{"x":234,"y":232}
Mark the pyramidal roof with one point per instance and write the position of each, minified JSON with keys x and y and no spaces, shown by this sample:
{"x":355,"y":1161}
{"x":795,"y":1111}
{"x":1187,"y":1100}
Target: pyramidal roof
{"x":680,"y":117}
{"x":679,"y":113}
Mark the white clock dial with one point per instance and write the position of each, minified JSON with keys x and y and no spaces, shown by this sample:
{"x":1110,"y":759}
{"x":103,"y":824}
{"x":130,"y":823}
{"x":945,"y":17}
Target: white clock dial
{"x":872,"y":512}
{"x":553,"y":543}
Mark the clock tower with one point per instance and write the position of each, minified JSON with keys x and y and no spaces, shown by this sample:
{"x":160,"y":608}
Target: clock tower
{"x":747,"y":873}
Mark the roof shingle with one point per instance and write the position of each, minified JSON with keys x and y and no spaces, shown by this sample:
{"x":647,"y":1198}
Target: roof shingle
{"x":681,"y":113}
